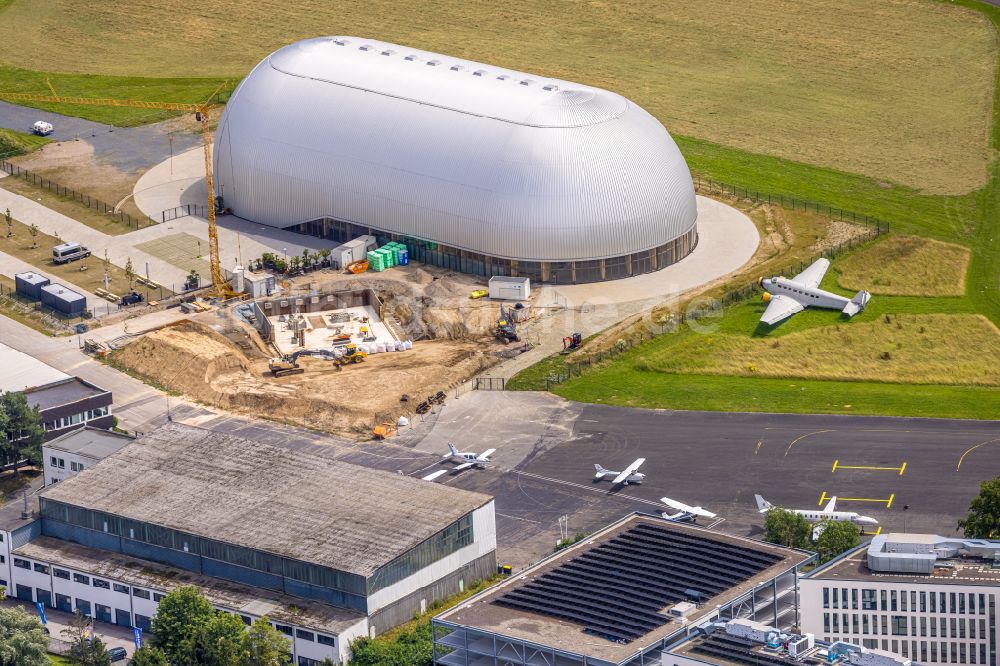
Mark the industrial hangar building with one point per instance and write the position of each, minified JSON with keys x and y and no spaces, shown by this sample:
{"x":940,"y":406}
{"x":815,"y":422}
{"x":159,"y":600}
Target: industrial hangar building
{"x":476,"y":168}
{"x":329,"y":551}
{"x":623,"y":596}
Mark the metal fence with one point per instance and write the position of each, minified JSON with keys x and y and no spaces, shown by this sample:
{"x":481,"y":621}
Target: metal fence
{"x":489,"y":384}
{"x":703,"y":184}
{"x":70,"y":193}
{"x":186,"y":210}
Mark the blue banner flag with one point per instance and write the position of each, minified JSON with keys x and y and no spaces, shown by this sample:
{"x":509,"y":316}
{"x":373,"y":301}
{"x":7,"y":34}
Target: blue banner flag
{"x":41,"y":612}
{"x":137,"y":632}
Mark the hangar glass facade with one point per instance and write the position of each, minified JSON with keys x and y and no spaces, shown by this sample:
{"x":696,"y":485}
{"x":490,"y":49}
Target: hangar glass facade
{"x":548,"y":272}
{"x":209,"y":557}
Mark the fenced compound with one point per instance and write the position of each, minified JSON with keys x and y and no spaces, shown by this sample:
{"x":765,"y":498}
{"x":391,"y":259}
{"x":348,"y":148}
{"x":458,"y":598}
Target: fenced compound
{"x":134,"y":222}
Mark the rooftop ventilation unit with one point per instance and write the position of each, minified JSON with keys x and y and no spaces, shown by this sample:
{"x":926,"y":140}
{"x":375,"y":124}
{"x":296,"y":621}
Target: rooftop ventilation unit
{"x":410,"y":57}
{"x":526,"y":82}
{"x":433,"y":63}
{"x":503,"y":77}
{"x":550,"y":87}
{"x":479,"y":72}
{"x":365,"y":47}
{"x":457,"y":68}
{"x":341,"y":42}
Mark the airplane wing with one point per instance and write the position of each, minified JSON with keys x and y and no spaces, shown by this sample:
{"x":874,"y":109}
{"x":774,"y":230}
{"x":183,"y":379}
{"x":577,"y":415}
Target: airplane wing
{"x":484,"y":456}
{"x":812,"y":276}
{"x":629,"y":471}
{"x":463,"y":466}
{"x":780,"y":307}
{"x":831,"y":505}
{"x":435,"y":475}
{"x":693,"y":510}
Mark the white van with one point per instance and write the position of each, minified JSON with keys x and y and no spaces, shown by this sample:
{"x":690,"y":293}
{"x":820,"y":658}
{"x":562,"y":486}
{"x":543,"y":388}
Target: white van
{"x":67,"y":252}
{"x":42,"y":128}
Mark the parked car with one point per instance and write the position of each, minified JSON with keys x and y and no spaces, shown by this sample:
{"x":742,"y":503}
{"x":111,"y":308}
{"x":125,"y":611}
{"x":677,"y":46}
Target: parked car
{"x":66,"y":252}
{"x":117,"y":654}
{"x":42,"y":128}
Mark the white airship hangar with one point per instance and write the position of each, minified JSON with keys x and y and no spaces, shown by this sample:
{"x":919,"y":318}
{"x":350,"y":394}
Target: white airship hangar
{"x":476,"y":168}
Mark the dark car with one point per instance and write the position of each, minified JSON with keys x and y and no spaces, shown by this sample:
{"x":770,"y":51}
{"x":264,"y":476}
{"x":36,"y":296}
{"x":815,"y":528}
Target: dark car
{"x":117,"y":654}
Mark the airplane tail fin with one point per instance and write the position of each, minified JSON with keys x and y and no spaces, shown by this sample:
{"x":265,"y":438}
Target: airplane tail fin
{"x":857,"y":304}
{"x":762,"y":504}
{"x":600,"y":471}
{"x":452,"y":449}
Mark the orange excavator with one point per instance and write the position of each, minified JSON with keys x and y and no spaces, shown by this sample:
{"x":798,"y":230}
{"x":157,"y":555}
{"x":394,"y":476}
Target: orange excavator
{"x":572,"y":343}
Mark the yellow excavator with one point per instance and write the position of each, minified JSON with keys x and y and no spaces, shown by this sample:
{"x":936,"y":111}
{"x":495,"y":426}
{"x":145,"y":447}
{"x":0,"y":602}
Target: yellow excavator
{"x":288,"y":364}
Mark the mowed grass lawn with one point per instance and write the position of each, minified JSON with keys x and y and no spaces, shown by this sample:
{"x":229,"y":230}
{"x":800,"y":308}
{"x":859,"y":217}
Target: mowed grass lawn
{"x":907,"y":266}
{"x":899,"y":92}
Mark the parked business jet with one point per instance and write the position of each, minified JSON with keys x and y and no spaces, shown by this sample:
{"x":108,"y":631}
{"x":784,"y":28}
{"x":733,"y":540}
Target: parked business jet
{"x":826,"y":514}
{"x":785,"y":297}
{"x":683,"y":512}
{"x":629,"y":475}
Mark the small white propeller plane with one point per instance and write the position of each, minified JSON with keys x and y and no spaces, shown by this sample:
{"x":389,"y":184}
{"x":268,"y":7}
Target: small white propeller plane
{"x":785,"y":297}
{"x":684,"y":512}
{"x":629,"y":475}
{"x":467,"y":460}
{"x":817,"y":518}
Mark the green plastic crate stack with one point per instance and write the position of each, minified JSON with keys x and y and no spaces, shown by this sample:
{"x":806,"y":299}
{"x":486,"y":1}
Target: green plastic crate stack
{"x":376,"y":261}
{"x":389,"y":255}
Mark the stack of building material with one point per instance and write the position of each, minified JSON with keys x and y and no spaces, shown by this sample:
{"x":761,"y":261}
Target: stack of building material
{"x":376,"y":261}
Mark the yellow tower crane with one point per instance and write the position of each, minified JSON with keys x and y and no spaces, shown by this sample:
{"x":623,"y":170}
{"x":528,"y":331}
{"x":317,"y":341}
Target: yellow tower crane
{"x":201,"y":111}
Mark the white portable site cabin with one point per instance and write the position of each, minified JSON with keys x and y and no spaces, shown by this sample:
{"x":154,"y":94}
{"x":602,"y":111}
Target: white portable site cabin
{"x":510,"y":288}
{"x":42,"y":128}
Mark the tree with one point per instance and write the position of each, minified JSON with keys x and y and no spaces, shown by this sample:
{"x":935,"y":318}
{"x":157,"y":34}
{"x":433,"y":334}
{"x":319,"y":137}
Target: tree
{"x":219,"y":642}
{"x":786,"y":528}
{"x":129,"y":272}
{"x":264,"y":645}
{"x":983,"y":521}
{"x":179,"y":617}
{"x":148,"y":655}
{"x":33,"y":230}
{"x":85,"y":649}
{"x":324,"y":254}
{"x":22,"y":429}
{"x":22,"y":640}
{"x":837,"y":538}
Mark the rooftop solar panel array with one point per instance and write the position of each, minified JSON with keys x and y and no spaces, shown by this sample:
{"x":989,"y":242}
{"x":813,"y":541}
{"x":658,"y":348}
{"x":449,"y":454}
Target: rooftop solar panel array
{"x":619,"y":588}
{"x":736,"y":650}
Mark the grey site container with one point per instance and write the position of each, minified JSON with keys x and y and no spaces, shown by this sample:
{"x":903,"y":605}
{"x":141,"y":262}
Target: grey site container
{"x":63,"y":299}
{"x":30,"y":285}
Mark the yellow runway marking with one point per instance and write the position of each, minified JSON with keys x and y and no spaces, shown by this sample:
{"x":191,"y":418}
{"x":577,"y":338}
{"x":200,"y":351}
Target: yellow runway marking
{"x":888,"y":502}
{"x":801,"y":437}
{"x":973,"y":448}
{"x":837,"y":465}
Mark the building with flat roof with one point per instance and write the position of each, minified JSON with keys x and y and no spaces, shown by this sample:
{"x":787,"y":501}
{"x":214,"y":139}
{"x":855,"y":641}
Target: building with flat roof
{"x":65,"y":402}
{"x":363,"y":549}
{"x":926,"y":597}
{"x":622,"y":596}
{"x":74,"y":451}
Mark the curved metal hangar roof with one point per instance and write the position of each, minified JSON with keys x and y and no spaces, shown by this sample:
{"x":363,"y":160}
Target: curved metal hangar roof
{"x":471,"y":156}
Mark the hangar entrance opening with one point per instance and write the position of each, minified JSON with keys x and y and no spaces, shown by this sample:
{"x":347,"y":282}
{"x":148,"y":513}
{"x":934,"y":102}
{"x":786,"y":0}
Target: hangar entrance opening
{"x":547,"y":272}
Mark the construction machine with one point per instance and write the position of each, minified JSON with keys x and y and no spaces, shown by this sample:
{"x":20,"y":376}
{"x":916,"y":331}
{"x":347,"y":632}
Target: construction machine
{"x":572,"y":343}
{"x":288,"y":364}
{"x":506,"y":330}
{"x":351,"y":354}
{"x":201,"y":111}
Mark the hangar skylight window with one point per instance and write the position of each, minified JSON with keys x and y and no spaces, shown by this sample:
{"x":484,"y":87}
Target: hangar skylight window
{"x":433,"y":63}
{"x":526,"y":82}
{"x":550,"y":87}
{"x":457,"y":68}
{"x":341,"y":42}
{"x":365,"y":47}
{"x":479,"y":72}
{"x":410,"y":57}
{"x":387,"y":52}
{"x":503,"y":77}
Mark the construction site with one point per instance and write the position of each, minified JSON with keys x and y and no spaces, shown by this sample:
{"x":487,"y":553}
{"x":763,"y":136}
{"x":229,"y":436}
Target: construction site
{"x":340,"y":352}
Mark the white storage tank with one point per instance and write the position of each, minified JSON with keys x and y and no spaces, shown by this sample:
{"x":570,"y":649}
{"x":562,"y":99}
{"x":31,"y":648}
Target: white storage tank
{"x":510,"y":288}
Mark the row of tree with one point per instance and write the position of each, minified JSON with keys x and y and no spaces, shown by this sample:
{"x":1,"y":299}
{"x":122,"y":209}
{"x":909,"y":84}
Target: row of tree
{"x":21,"y":432}
{"x":307,"y":261}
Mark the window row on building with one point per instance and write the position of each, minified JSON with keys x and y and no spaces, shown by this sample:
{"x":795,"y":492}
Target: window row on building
{"x":957,"y":603}
{"x":60,"y":463}
{"x":942,"y":652}
{"x":77,"y":419}
{"x":904,"y":625}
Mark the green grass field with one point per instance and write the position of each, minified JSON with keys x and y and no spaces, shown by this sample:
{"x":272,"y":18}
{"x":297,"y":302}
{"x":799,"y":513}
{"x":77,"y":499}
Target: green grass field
{"x":847,"y":84}
{"x":18,"y":143}
{"x":907,"y":266}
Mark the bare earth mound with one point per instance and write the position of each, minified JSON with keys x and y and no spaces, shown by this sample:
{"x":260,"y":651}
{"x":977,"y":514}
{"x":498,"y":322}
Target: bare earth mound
{"x":202,"y":364}
{"x":912,"y":349}
{"x":907,"y":266}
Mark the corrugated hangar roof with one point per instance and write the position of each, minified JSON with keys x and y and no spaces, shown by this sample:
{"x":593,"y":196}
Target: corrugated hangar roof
{"x":472,"y":156}
{"x":252,"y":494}
{"x":21,"y":371}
